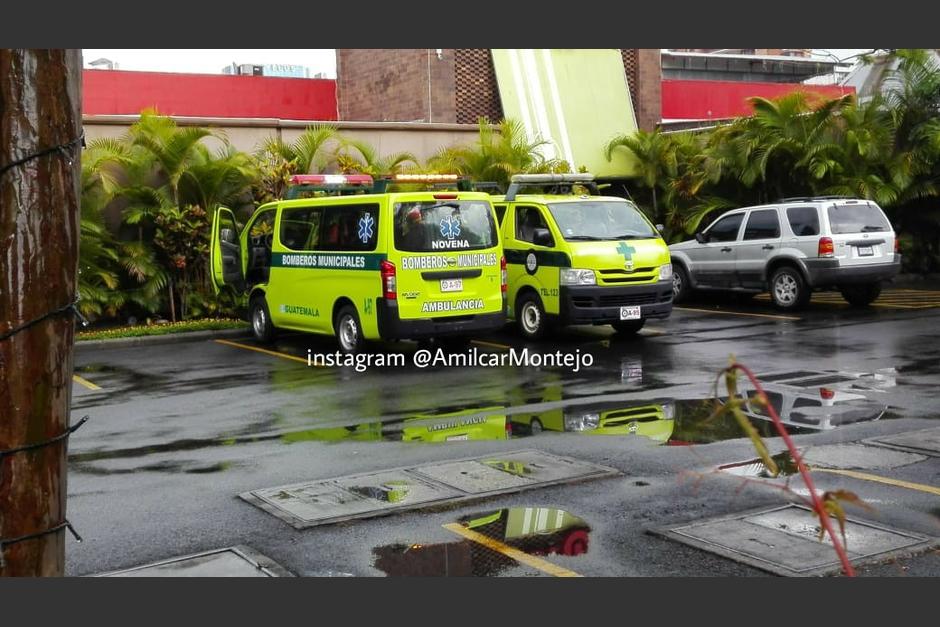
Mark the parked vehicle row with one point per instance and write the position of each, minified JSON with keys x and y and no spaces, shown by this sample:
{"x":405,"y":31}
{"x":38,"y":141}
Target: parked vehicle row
{"x":361,"y":262}
{"x":426,"y":256}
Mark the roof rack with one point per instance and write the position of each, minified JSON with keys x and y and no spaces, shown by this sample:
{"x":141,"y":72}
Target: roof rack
{"x":558,"y":183}
{"x":812,"y":198}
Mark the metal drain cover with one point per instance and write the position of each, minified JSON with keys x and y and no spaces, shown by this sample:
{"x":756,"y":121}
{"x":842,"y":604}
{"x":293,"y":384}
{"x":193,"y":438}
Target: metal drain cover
{"x":326,"y":501}
{"x":925,"y":441}
{"x":236,"y":561}
{"x":784,"y":540}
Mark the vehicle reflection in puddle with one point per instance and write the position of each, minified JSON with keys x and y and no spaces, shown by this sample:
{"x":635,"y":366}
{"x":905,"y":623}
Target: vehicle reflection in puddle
{"x":538,"y":531}
{"x":663,"y":421}
{"x":756,"y":469}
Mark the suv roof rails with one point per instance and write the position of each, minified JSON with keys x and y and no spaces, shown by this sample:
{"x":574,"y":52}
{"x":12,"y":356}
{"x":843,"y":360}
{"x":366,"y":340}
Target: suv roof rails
{"x":558,"y":183}
{"x":812,"y":198}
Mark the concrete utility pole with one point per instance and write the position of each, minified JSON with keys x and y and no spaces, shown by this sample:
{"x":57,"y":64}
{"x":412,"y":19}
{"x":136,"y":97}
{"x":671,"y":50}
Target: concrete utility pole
{"x":40,"y":103}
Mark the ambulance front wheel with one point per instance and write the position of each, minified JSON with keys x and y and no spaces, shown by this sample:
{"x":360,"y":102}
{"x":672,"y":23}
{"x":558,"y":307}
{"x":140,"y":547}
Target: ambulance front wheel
{"x":628,"y":327}
{"x":530,"y":316}
{"x":261,"y":324}
{"x":349,"y":330}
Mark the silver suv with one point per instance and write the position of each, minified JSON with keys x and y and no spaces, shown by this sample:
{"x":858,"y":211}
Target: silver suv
{"x":791,"y":248}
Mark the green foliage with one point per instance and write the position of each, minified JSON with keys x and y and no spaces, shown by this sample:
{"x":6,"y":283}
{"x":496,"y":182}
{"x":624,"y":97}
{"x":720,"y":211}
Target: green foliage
{"x":886,"y":149}
{"x":497,"y":154}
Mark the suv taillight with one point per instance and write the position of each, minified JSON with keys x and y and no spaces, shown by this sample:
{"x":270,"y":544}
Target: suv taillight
{"x":897,"y":244}
{"x":826,"y":249}
{"x":389,"y":284}
{"x":503,"y":275}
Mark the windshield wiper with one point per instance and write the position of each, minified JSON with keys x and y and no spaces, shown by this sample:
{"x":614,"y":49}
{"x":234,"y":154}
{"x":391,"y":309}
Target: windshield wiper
{"x":634,"y":236}
{"x":587,"y":238}
{"x":872,"y":227}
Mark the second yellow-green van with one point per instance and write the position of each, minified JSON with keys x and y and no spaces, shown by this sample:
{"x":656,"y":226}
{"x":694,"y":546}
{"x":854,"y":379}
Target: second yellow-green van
{"x":580,"y":258}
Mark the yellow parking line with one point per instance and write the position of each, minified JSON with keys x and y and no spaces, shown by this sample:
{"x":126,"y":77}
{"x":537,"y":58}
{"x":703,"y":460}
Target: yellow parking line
{"x":737,"y":313}
{"x":920,"y":487}
{"x":520,"y":556}
{"x":491,"y":344}
{"x":262,"y":350}
{"x":88,"y":384}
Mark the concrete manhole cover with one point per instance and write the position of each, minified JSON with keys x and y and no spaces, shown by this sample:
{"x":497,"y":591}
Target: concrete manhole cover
{"x":783,"y":540}
{"x":925,"y":441}
{"x":236,"y":561}
{"x":857,"y":456}
{"x":365,"y":495}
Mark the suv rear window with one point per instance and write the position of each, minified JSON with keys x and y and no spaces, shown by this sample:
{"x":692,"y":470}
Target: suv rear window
{"x":803,"y":220}
{"x":430,"y":226}
{"x":857,"y":218}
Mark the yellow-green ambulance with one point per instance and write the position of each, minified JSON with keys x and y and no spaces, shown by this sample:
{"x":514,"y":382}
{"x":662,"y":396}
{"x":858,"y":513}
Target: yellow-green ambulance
{"x":364,"y":263}
{"x":580,"y":258}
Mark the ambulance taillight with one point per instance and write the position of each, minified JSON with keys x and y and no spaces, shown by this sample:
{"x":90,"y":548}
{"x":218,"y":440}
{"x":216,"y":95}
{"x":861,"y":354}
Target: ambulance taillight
{"x":503,"y":275}
{"x":389,"y":283}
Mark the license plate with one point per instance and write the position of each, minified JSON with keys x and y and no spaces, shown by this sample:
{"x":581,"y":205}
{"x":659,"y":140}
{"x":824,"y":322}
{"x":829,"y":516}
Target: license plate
{"x":629,"y":313}
{"x":865,"y":251}
{"x":451,"y":285}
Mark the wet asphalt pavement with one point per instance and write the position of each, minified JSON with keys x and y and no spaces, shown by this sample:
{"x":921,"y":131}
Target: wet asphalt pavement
{"x":178,"y":430}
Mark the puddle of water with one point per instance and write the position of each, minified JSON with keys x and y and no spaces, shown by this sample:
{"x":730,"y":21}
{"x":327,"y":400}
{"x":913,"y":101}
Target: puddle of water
{"x":539,"y":531}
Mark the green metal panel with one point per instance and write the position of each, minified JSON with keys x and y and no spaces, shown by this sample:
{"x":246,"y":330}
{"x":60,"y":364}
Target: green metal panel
{"x":576,"y":99}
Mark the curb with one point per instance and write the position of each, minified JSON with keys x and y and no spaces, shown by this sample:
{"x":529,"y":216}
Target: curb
{"x":169,"y":338}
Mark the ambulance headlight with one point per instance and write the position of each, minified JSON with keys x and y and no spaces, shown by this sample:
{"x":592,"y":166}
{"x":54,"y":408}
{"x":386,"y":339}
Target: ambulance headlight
{"x":665,"y":272}
{"x":581,"y":422}
{"x":576,"y":276}
{"x":669,"y":411}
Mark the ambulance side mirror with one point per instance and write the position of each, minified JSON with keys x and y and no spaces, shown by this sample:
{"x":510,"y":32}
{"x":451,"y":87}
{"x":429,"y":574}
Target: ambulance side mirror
{"x":660,"y":227}
{"x":542,"y":237}
{"x":227,"y":235}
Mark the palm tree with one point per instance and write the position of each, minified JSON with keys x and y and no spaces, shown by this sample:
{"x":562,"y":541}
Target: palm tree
{"x":368,"y":160}
{"x":497,"y":154}
{"x":308,"y":153}
{"x":655,"y":156}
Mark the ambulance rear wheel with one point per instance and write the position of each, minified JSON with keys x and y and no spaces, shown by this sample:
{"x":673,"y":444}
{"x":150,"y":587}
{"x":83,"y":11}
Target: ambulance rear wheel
{"x":261,"y":325}
{"x":349,"y":330}
{"x":530,"y":316}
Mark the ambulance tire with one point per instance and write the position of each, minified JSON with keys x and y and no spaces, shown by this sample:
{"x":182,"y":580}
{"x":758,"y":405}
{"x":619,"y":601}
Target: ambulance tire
{"x":260,"y":316}
{"x":349,"y":330}
{"x":530,"y":316}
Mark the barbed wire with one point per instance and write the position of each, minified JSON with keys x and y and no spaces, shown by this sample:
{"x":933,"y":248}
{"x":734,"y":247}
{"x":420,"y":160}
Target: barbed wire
{"x":65,"y":524}
{"x":72,"y":307}
{"x":62,"y":149}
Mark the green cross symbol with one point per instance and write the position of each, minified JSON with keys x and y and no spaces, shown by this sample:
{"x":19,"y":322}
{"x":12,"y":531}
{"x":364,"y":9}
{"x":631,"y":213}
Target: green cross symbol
{"x":626,"y":250}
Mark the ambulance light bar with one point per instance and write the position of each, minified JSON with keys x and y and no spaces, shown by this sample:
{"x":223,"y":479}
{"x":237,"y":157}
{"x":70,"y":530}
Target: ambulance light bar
{"x":332,"y":179}
{"x":560,"y":183}
{"x":425,"y":178}
{"x":532,"y":179}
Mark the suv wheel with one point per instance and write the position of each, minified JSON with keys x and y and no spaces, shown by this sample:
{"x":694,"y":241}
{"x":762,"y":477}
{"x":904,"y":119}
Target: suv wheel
{"x":530,"y":315}
{"x":788,"y":289}
{"x":260,"y":316}
{"x":861,"y":295}
{"x":680,"y":283}
{"x":349,"y":330}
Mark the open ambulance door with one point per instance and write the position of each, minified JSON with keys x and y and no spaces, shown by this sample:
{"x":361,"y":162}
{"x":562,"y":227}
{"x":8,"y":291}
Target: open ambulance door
{"x":225,"y":252}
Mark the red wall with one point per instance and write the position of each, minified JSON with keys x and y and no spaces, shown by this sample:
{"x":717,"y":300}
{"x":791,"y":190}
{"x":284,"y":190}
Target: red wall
{"x":715,"y":100}
{"x":114,"y":92}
